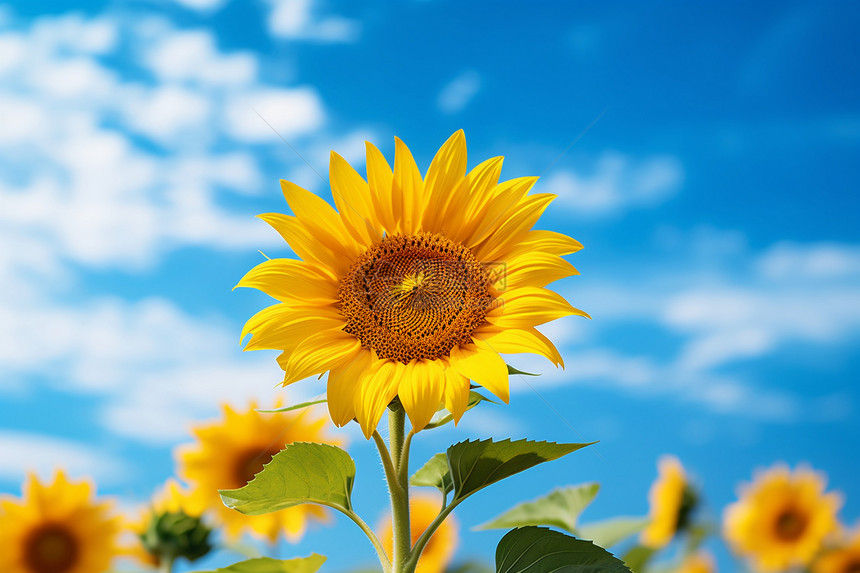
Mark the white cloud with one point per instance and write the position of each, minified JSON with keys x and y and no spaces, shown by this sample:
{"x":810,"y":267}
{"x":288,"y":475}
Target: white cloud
{"x":201,"y":5}
{"x":300,"y":20}
{"x":288,"y":112}
{"x":800,"y":262}
{"x":617,"y":183}
{"x":166,"y":113}
{"x":74,"y":33}
{"x":21,"y":453}
{"x":457,"y":94}
{"x":192,"y":56}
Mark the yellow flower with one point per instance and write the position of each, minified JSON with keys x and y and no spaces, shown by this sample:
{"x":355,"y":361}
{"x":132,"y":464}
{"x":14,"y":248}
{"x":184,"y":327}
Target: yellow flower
{"x":671,"y":500}
{"x":57,"y":528}
{"x":413,"y":286}
{"x":440,"y":548}
{"x":699,"y":562}
{"x":844,"y":558}
{"x":781,"y":518}
{"x":230,"y":452}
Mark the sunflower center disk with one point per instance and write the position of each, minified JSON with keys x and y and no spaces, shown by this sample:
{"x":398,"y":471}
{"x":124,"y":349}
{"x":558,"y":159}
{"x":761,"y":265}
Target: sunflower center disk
{"x":415,"y":297}
{"x":790,"y":525}
{"x":51,"y":549}
{"x":250,"y":463}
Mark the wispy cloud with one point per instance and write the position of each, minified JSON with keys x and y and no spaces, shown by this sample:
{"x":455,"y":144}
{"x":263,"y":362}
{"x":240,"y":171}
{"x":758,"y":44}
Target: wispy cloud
{"x":304,"y":20}
{"x":457,"y":94}
{"x":21,"y":453}
{"x":616,"y":183}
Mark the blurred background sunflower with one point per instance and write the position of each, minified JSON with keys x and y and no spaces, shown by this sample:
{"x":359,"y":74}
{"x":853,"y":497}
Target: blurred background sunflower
{"x":228,"y":454}
{"x":57,"y":527}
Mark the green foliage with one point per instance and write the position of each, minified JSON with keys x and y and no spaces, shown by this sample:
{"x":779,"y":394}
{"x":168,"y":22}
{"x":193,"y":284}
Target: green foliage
{"x":638,"y":557}
{"x":561,"y":509}
{"x":301,"y":473}
{"x":611,"y":531}
{"x":434,"y":474}
{"x":308,"y":564}
{"x":539,"y":550}
{"x":512,"y":371}
{"x":476,"y":464}
{"x":175,"y":534}
{"x":443,"y":416}
{"x":295,"y":406}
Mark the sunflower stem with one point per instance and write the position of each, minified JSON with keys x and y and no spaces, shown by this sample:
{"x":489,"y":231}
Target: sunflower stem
{"x":412,"y":562}
{"x":165,"y":565}
{"x":398,"y":485}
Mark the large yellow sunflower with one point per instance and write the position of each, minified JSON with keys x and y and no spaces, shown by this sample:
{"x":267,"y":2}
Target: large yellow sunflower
{"x":439,"y":550}
{"x":230,"y":452}
{"x":413,"y":286}
{"x":843,"y":558}
{"x":671,"y":500}
{"x":57,"y":528}
{"x":781,"y":518}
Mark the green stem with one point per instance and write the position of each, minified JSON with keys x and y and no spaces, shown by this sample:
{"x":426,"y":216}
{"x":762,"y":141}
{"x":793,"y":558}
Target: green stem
{"x":412,"y":563}
{"x":165,"y":564}
{"x":380,"y":551}
{"x":399,"y":488}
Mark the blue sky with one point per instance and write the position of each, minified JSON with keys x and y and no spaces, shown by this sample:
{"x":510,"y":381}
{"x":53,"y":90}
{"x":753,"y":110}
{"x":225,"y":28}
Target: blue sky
{"x":704,"y":153}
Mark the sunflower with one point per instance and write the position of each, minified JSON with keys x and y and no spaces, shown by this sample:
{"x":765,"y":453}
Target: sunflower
{"x":843,"y":558}
{"x":699,"y":562}
{"x":57,"y":528}
{"x":230,"y":452}
{"x":171,"y":524}
{"x":781,"y":518}
{"x":413,"y":286}
{"x":671,"y":500}
{"x":438,"y":552}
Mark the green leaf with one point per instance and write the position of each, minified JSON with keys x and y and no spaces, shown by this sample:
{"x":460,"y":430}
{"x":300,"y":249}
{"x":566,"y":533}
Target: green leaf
{"x":561,"y":508}
{"x":308,"y":564}
{"x":638,"y":557}
{"x":475,"y":465}
{"x":542,"y":550}
{"x":612,"y":531}
{"x":295,"y":406}
{"x":434,"y":474}
{"x":512,"y":371}
{"x":300,"y":473}
{"x":443,"y":416}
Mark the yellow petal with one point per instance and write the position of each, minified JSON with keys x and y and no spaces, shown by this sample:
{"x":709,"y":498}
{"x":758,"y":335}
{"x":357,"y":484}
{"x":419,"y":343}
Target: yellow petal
{"x":292,"y":280}
{"x":484,"y":367}
{"x":304,"y":244}
{"x":529,"y":306}
{"x":456,"y":393}
{"x":318,"y":353}
{"x":283,"y":327}
{"x":470,"y":197}
{"x":546,"y":242}
{"x":516,"y":340}
{"x":514,"y":229}
{"x":420,"y":391}
{"x":505,"y":204}
{"x":377,"y":391}
{"x":353,"y":201}
{"x":533,"y":269}
{"x":446,"y":172}
{"x":407,"y":192}
{"x":380,"y":179}
{"x":320,"y":219}
{"x":344,"y":381}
